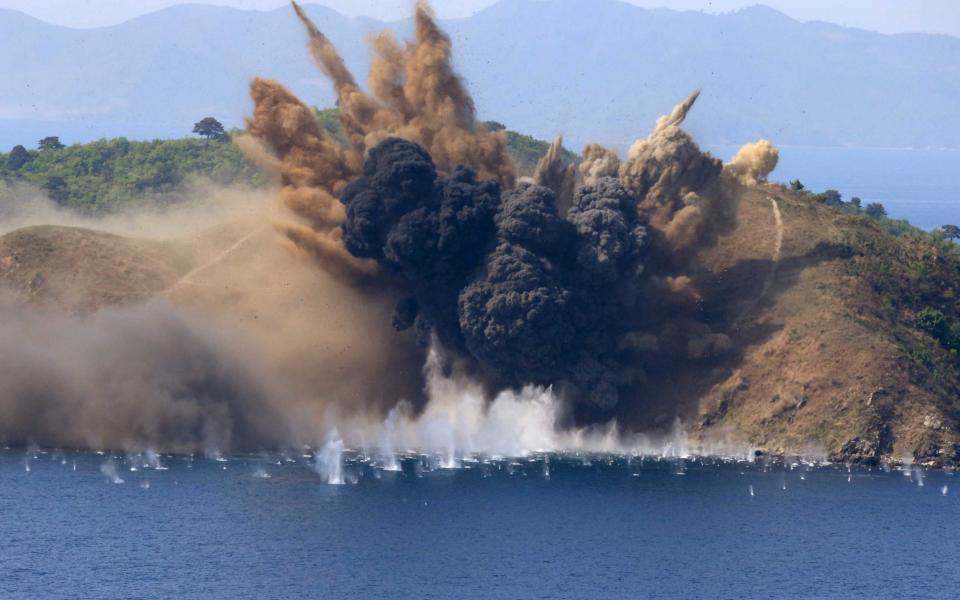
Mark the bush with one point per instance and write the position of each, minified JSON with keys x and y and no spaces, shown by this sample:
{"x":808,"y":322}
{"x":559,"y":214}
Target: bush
{"x":935,"y":323}
{"x":875,"y":210}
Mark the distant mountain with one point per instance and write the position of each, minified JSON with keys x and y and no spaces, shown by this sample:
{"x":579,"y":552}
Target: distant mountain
{"x":596,"y":71}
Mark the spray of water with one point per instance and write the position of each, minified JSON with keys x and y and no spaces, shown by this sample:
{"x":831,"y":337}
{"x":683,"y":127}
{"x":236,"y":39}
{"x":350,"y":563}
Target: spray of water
{"x":328,"y":461}
{"x":109,"y":470}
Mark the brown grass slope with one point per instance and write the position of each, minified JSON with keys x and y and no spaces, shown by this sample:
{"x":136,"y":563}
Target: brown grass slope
{"x":828,"y":357}
{"x":81,"y":269}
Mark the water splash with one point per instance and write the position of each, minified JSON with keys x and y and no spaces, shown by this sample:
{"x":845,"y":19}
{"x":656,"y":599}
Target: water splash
{"x":919,"y":476}
{"x":459,"y":421}
{"x":109,"y":470}
{"x":388,"y":441}
{"x":152,"y":460}
{"x":328,"y":461}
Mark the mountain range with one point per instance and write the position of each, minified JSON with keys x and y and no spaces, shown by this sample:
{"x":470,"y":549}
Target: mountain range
{"x":595,"y":71}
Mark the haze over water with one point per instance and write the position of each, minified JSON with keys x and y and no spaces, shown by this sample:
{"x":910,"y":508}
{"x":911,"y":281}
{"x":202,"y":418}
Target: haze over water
{"x":574,"y":527}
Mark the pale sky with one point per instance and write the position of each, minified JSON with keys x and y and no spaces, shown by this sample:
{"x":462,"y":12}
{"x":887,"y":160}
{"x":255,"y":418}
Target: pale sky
{"x":888,"y":16}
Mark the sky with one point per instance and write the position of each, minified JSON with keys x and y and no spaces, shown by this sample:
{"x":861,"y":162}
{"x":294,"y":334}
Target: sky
{"x":887,"y":16}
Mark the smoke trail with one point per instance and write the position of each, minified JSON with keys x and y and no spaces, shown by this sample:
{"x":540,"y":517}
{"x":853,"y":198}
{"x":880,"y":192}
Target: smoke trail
{"x":678,"y":114}
{"x":559,"y":175}
{"x":676,"y":184}
{"x":313,"y":171}
{"x":418,"y":96}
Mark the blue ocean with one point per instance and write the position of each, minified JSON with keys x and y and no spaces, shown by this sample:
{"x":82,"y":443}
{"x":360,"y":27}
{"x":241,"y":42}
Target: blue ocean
{"x":921,"y":186}
{"x":543,"y":526}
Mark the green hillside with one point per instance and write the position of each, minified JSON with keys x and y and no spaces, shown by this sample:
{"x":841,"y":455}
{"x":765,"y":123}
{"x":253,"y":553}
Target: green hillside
{"x":107,"y":175}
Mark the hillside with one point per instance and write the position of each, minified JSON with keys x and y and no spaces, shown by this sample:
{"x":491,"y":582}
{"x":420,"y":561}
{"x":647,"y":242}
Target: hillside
{"x":845,"y":336}
{"x":763,"y":74}
{"x":837,"y":353}
{"x":81,"y":269}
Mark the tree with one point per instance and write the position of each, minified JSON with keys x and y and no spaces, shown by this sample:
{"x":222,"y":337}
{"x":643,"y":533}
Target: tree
{"x":950,"y":232}
{"x":796,"y":186}
{"x":51,"y":142}
{"x":831,"y":198}
{"x":495,"y":125}
{"x":210,"y":128}
{"x":56,"y":188}
{"x":18,"y":157}
{"x":856,"y":203}
{"x":875,"y":210}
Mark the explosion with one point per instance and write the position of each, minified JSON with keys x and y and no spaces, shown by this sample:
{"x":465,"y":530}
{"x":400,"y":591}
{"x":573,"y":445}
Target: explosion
{"x":419,"y":277}
{"x":554,"y":283}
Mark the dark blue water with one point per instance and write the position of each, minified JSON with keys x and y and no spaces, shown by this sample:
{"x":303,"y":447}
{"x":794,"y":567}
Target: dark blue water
{"x":921,"y":186}
{"x":602,"y":528}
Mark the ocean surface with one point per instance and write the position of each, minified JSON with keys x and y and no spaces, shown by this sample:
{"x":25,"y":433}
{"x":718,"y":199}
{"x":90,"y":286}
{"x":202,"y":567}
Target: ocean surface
{"x":87,"y":526}
{"x":922,"y":186}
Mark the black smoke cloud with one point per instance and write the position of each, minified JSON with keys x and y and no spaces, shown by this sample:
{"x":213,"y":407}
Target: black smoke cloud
{"x":431,"y":232}
{"x":502,"y":281}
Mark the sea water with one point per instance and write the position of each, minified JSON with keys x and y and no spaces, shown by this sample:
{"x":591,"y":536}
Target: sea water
{"x":921,"y":186}
{"x":541,"y":526}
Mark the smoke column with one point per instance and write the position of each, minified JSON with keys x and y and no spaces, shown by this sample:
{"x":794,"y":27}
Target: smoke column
{"x":547,"y":284}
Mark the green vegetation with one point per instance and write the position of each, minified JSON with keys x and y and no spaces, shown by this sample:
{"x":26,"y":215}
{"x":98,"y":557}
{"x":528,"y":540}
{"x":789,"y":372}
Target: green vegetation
{"x":913,"y":276}
{"x":50,"y":143}
{"x":916,"y":275}
{"x":527,"y":151}
{"x":106,"y":175}
{"x":877,"y":212}
{"x":934,"y":322}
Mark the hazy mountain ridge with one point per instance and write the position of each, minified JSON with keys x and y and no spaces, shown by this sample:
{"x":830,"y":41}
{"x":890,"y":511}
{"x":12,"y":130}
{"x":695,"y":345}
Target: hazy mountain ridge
{"x":763,"y":74}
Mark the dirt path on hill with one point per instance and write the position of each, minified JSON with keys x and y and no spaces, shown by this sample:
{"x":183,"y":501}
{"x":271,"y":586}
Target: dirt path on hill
{"x":186,"y":279}
{"x":777,"y":246}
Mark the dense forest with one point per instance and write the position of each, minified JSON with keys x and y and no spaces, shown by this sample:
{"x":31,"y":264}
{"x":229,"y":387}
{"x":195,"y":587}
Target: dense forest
{"x":107,"y":175}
